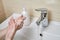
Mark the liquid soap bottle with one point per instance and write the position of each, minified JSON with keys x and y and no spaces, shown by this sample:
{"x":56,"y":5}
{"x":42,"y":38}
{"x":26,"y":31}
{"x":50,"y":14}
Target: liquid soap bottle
{"x":26,"y":14}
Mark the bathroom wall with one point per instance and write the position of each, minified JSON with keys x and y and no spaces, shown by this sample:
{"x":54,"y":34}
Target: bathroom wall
{"x":53,"y":6}
{"x":2,"y":14}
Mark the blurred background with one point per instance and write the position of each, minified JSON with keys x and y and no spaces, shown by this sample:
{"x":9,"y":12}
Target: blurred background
{"x":7,"y":7}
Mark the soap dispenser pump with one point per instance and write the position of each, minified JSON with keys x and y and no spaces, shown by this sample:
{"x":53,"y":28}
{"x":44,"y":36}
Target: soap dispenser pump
{"x":26,"y":14}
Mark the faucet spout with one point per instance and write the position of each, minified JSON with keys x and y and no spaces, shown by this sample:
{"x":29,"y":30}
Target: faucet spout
{"x":43,"y":18}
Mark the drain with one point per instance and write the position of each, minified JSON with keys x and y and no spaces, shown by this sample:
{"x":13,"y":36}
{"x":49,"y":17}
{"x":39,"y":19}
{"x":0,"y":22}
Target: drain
{"x":41,"y":35}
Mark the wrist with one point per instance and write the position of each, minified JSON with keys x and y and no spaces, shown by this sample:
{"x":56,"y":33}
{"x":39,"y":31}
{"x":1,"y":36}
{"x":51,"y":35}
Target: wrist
{"x":7,"y":39}
{"x":10,"y":34}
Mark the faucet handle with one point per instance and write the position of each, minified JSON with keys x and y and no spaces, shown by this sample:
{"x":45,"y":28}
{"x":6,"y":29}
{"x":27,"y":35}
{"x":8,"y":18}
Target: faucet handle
{"x":43,"y":10}
{"x":37,"y":9}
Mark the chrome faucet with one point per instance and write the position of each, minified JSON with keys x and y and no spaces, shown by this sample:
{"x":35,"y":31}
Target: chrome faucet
{"x":43,"y":18}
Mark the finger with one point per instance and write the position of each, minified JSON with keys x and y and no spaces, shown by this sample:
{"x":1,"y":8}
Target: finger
{"x":19,"y":23}
{"x":12,"y":21}
{"x":19,"y":17}
{"x":22,"y":22}
{"x":20,"y":26}
{"x":23,"y":18}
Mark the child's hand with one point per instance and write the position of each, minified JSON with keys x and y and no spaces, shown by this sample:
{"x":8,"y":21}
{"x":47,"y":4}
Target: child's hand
{"x":13,"y":26}
{"x":20,"y":21}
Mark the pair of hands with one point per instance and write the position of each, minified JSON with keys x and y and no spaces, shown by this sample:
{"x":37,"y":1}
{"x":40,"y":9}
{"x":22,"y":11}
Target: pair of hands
{"x":14,"y":25}
{"x":18,"y":23}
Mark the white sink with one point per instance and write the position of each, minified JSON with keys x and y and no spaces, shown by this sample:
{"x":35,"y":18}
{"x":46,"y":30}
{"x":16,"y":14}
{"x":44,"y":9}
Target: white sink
{"x":31,"y":32}
{"x":52,"y":32}
{"x":27,"y":33}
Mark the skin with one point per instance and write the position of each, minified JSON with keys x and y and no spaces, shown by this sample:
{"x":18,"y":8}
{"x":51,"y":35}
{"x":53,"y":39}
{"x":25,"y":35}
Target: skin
{"x":3,"y":33}
{"x":13,"y":26}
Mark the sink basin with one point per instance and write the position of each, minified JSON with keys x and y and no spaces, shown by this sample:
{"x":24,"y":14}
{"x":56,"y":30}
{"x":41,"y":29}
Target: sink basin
{"x":31,"y":32}
{"x":52,"y":32}
{"x":27,"y":33}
